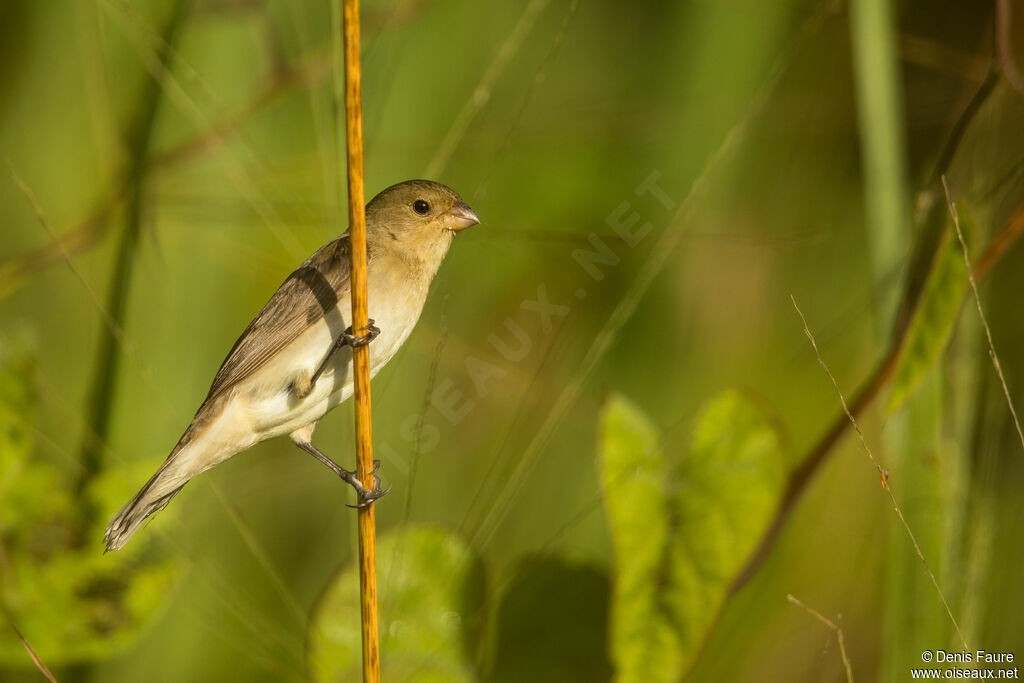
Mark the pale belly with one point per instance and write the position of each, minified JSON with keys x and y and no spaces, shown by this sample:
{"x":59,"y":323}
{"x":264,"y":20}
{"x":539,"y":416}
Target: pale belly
{"x":267,"y":398}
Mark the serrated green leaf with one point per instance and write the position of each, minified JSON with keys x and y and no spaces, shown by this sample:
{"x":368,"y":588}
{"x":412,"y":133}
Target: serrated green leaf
{"x":932,"y":321}
{"x":431,"y":585}
{"x":680,"y":535}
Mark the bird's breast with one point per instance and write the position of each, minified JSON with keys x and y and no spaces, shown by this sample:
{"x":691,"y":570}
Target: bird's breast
{"x":274,"y":405}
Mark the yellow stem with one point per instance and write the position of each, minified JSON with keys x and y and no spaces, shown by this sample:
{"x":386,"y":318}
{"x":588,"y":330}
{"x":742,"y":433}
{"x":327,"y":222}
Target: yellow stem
{"x":360,"y":354}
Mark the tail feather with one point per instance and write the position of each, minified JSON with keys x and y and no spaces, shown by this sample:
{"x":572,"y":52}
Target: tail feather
{"x":152,"y":497}
{"x":194,"y":453}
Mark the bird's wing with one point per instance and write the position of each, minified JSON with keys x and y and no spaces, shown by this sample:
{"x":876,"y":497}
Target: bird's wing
{"x":313,"y":289}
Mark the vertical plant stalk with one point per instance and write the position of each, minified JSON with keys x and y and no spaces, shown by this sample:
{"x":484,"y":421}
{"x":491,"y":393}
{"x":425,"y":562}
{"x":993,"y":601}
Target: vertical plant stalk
{"x":360,"y":354}
{"x":882,"y":144}
{"x":888,"y":224}
{"x":103,"y":386}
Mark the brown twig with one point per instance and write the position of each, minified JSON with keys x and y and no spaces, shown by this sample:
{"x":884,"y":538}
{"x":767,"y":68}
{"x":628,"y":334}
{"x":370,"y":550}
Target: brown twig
{"x":963,"y":122}
{"x":838,"y":631}
{"x":801,"y":475}
{"x":882,"y":473}
{"x":941,"y":57}
{"x":360,"y":354}
{"x":1004,"y":46}
{"x":1006,"y":238}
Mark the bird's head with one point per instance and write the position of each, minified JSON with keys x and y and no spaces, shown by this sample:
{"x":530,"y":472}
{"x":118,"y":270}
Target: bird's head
{"x":417,"y":214}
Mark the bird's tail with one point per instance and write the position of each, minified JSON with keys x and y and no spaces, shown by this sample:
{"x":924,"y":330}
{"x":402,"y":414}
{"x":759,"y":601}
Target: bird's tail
{"x":157,"y":492}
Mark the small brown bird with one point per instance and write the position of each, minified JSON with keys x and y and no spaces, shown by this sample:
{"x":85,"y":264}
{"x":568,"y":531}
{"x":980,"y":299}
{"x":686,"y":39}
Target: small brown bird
{"x":294,"y":361}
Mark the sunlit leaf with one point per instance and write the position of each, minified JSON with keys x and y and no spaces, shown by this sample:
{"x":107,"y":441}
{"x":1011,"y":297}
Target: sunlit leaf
{"x":551,"y":624}
{"x":645,"y":645}
{"x":67,"y":598}
{"x":724,"y":491}
{"x":431,"y":586}
{"x":25,"y":485}
{"x":931,"y":323}
{"x":680,"y":533}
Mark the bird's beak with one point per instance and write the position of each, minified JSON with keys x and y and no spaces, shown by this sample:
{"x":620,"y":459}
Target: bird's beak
{"x":461,"y":217}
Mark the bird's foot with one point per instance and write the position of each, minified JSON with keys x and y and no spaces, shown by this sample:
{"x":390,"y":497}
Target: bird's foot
{"x":349,"y":339}
{"x":364,"y":495}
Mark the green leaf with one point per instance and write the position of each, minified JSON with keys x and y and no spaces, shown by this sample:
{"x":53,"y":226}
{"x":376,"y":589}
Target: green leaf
{"x":931,"y":323}
{"x":726,"y":488}
{"x":24,"y":484}
{"x":679,"y":535}
{"x":645,"y":645}
{"x":67,"y":598}
{"x":432,"y":591}
{"x":552,"y":624}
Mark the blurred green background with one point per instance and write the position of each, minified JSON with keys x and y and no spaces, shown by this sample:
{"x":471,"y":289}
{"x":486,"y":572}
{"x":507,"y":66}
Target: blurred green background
{"x":609,"y":391}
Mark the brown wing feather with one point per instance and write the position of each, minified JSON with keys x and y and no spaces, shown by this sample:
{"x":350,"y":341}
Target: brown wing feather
{"x":312,"y":289}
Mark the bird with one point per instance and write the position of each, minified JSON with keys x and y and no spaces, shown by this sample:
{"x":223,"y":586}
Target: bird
{"x":293,"y":363}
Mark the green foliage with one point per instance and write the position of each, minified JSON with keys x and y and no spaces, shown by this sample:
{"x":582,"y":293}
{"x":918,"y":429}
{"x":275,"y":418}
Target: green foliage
{"x":432,"y":596}
{"x":681,"y":532}
{"x":645,"y":644}
{"x":927,"y":467}
{"x":22,"y":480}
{"x":70,"y":601}
{"x":725,"y":490}
{"x":551,"y":624}
{"x":759,"y":125}
{"x":931,"y":323}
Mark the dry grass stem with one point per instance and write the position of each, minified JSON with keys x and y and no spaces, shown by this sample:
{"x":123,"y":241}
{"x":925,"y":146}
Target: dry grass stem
{"x":981,"y":312}
{"x":804,"y":472}
{"x":43,"y":669}
{"x":883,"y":477}
{"x":835,"y":628}
{"x":482,"y":93}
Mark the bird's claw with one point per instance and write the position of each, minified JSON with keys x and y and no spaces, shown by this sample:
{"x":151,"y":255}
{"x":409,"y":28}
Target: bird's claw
{"x":367,"y":496}
{"x":364,"y":495}
{"x":349,"y":339}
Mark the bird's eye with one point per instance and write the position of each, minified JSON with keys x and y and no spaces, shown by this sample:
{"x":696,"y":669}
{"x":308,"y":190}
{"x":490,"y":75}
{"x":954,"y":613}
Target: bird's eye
{"x":421,"y":207}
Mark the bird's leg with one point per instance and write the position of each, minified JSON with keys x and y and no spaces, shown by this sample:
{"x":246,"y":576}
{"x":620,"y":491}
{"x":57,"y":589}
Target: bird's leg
{"x":303,"y":384}
{"x":364,"y":495}
{"x":346,"y":338}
